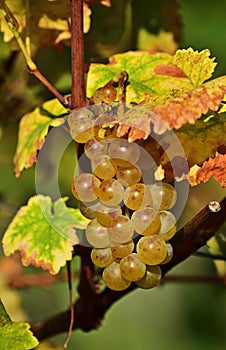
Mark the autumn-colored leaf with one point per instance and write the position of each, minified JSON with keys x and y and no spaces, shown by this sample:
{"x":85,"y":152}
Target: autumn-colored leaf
{"x":15,"y":335}
{"x":33,"y":128}
{"x":44,"y":232}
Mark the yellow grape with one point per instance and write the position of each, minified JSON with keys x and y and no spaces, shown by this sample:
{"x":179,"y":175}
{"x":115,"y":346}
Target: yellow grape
{"x":163,"y":196}
{"x":105,"y":214}
{"x":169,"y":255}
{"x":123,"y":151}
{"x":120,"y":229}
{"x":122,"y":250}
{"x":110,"y":192}
{"x":168,"y":225}
{"x":84,"y":187}
{"x":97,"y":235}
{"x":151,"y":279}
{"x":94,"y":148}
{"x":152,"y":249}
{"x":102,"y":257}
{"x":128,"y":176}
{"x":132,"y":268}
{"x":87,"y":211}
{"x":137,"y":196}
{"x":81,"y":124}
{"x":146,"y":221}
{"x":104,"y":167}
{"x":113,"y":279}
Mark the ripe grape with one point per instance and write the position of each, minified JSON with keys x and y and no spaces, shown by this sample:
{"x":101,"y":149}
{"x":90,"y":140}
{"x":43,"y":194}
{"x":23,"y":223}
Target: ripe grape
{"x":146,"y":221}
{"x":97,"y":235}
{"x":81,"y":124}
{"x":152,"y":249}
{"x":113,"y":279}
{"x":110,"y":192}
{"x":87,"y":210}
{"x":123,"y":151}
{"x":128,"y":176}
{"x":84,"y":187}
{"x":120,"y":229}
{"x":102,"y":257}
{"x":94,"y":148}
{"x":132,"y":268}
{"x":105,"y":127}
{"x":122,"y":250}
{"x":104,"y":167}
{"x":169,"y":255}
{"x":109,"y":94}
{"x":151,"y":278}
{"x":168,"y":225}
{"x":105,"y":214}
{"x":137,"y":196}
{"x":163,"y":196}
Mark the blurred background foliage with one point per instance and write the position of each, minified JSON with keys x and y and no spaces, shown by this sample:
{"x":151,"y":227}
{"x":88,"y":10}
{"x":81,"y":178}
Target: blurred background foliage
{"x":175,"y":315}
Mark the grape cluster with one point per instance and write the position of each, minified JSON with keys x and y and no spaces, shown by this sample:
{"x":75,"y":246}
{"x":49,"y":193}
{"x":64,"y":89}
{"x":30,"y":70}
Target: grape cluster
{"x":130,"y":222}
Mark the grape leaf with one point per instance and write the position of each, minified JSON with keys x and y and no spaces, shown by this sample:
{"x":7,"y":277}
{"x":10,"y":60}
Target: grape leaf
{"x":15,"y":335}
{"x":44,"y":232}
{"x":33,"y":128}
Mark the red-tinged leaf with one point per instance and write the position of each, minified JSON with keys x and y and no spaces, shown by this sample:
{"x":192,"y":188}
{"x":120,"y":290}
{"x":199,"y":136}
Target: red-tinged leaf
{"x":44,"y":232}
{"x":213,"y":167}
{"x":33,"y":128}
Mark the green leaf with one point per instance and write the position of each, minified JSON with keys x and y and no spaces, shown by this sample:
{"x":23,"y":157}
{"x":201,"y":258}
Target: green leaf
{"x":154,"y":78}
{"x":15,"y":335}
{"x":217,"y":246}
{"x":44,"y":232}
{"x":197,"y":66}
{"x":33,"y":128}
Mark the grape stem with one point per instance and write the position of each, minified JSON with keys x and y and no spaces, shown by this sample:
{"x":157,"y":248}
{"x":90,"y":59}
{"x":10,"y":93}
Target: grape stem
{"x":91,"y":306}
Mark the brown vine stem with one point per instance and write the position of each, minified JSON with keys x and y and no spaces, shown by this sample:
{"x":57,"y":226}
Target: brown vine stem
{"x":78,"y":98}
{"x":90,"y":310}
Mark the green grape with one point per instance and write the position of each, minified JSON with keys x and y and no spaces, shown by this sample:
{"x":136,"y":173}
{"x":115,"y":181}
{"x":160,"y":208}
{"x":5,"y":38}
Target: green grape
{"x":168,"y":225}
{"x":128,"y":176}
{"x":81,"y":124}
{"x":122,"y":250}
{"x":113,"y":279}
{"x":84,"y":187}
{"x":123,"y":152}
{"x":146,"y":221}
{"x":152,"y":249}
{"x":94,"y":148}
{"x":102,"y":257}
{"x":163,"y":196}
{"x":169,"y":256}
{"x":132,"y":268}
{"x":120,"y":229}
{"x":104,"y":167}
{"x":97,"y":97}
{"x":97,"y":235}
{"x":110,"y":192}
{"x":109,"y":94}
{"x":87,"y":211}
{"x":105,"y":214}
{"x":137,"y":196}
{"x":152,"y":278}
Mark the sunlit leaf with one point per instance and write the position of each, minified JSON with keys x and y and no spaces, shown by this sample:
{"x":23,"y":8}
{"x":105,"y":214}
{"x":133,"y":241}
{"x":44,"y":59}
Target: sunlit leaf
{"x":15,"y":335}
{"x":33,"y":128}
{"x":44,"y":232}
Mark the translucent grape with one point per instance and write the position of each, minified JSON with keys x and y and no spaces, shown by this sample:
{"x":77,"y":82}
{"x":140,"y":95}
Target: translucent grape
{"x":110,"y":192}
{"x":128,"y":176}
{"x":97,"y":96}
{"x":146,"y":221}
{"x":105,"y":127}
{"x":87,"y":211}
{"x":169,"y":255}
{"x":81,"y":124}
{"x":122,"y":250}
{"x":168,"y":225}
{"x":132,"y":268}
{"x":163,"y":196}
{"x":104,"y":167}
{"x":102,"y":257}
{"x":105,"y":214}
{"x":123,"y":151}
{"x":109,"y":94}
{"x":84,"y":187}
{"x":97,"y":235}
{"x":152,"y":249}
{"x":137,"y":196}
{"x":151,"y":279}
{"x":94,"y":148}
{"x":113,"y":279}
{"x":120,"y":229}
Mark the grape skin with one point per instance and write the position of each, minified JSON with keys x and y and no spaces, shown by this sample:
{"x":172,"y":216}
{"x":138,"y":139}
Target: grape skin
{"x":97,"y":235}
{"x":113,"y":279}
{"x":152,"y":278}
{"x":128,"y":176}
{"x":104,"y":167}
{"x":163,"y":196}
{"x":137,"y":196}
{"x":110,"y":192}
{"x":122,"y":250}
{"x":123,"y":151}
{"x":84,"y":187}
{"x":105,"y":214}
{"x":132,"y":268}
{"x":102,"y":257}
{"x":169,"y":255}
{"x":152,"y":249}
{"x":81,"y":124}
{"x":168,"y":225}
{"x":146,"y":221}
{"x":94,"y":148}
{"x":120,"y":229}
